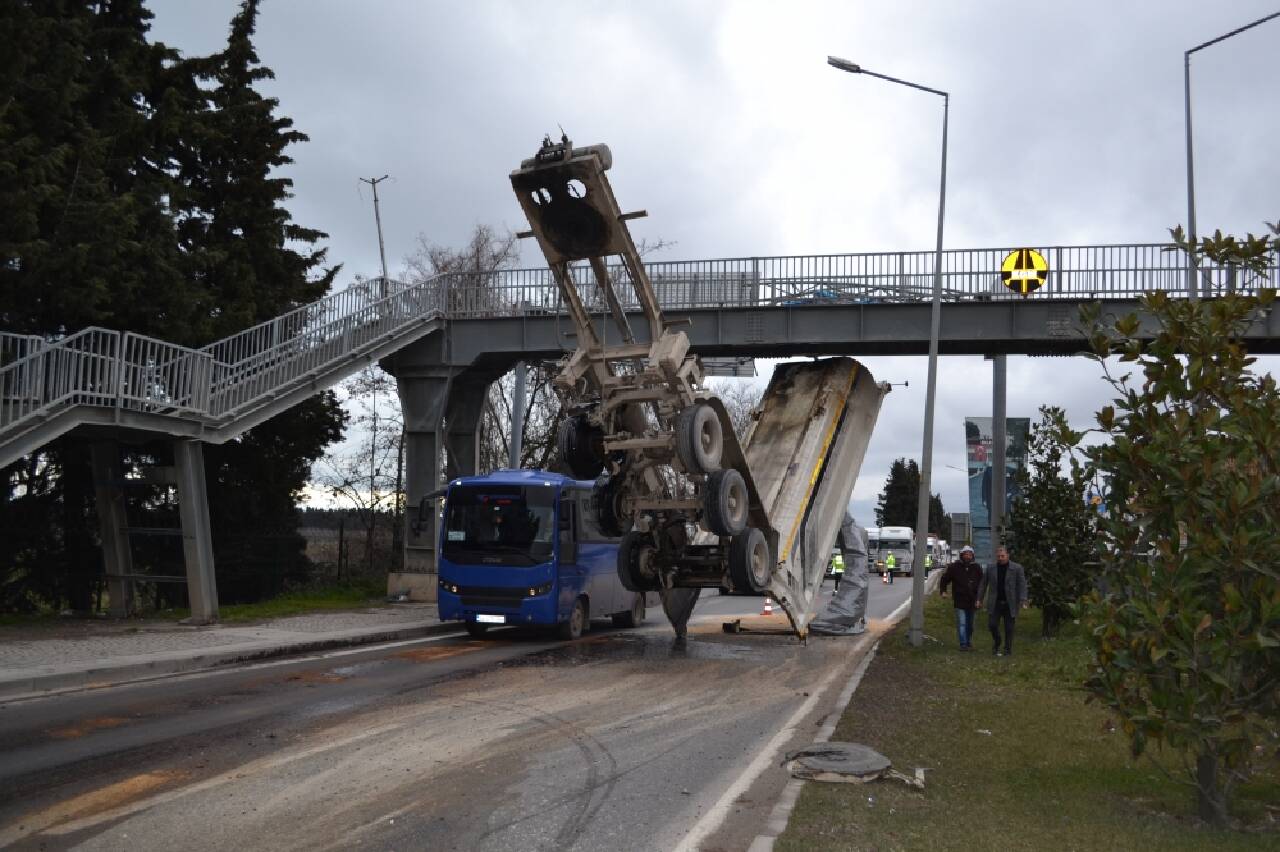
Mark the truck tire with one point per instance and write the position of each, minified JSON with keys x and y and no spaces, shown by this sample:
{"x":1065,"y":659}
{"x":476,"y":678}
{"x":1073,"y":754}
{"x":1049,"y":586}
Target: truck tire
{"x":699,"y":439}
{"x":750,"y":561}
{"x":632,"y":618}
{"x":726,"y":503}
{"x":576,"y":624}
{"x":579,"y":446}
{"x":630,"y":551}
{"x":606,"y":502}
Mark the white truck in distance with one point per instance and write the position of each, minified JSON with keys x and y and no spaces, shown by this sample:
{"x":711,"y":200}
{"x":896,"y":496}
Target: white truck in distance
{"x":900,"y":541}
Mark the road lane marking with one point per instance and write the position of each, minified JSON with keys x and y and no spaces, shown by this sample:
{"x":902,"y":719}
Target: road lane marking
{"x":715,"y":817}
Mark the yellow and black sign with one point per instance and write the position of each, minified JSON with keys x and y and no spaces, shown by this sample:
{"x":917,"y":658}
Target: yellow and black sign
{"x":1024,"y":271}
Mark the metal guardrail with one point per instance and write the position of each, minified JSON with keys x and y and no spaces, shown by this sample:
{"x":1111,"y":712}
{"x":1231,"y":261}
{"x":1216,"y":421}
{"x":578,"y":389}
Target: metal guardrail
{"x":1075,"y":272}
{"x":226,"y":379}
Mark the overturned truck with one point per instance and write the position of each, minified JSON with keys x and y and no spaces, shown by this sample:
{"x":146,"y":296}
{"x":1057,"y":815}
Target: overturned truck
{"x":695,"y":508}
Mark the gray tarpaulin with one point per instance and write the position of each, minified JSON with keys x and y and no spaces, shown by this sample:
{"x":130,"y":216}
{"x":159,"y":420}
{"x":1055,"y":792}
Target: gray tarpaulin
{"x":846,"y":612}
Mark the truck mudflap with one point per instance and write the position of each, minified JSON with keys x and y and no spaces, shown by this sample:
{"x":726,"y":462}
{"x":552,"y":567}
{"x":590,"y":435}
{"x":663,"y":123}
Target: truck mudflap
{"x":804,"y":453}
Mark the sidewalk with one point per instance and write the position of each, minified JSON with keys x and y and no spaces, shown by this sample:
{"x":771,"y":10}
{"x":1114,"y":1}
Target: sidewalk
{"x":89,"y":654}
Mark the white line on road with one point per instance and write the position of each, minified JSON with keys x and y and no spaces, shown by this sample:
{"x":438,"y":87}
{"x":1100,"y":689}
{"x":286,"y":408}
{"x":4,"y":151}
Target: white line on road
{"x":715,"y":817}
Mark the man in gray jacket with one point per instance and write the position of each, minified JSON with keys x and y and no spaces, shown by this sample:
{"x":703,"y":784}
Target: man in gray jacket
{"x":1003,"y":592}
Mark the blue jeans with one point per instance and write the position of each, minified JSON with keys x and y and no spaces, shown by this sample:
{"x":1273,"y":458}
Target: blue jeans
{"x":964,"y":627}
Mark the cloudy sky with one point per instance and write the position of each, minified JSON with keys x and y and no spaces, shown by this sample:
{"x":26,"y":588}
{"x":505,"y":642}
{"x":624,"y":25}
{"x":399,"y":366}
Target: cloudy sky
{"x":727,"y":125}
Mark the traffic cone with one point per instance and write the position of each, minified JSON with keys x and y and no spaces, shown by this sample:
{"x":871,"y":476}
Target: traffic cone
{"x":884,"y":578}
{"x":768,"y":607}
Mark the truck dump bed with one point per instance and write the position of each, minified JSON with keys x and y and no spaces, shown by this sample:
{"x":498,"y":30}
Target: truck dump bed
{"x":804,"y":452}
{"x":692,"y":506}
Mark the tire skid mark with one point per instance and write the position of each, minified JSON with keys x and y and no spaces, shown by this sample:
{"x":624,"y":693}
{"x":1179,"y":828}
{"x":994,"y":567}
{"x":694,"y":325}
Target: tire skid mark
{"x":590,"y":748}
{"x":596,"y":790}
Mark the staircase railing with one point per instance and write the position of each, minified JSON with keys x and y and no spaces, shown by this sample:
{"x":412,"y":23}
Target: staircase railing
{"x":131,"y":372}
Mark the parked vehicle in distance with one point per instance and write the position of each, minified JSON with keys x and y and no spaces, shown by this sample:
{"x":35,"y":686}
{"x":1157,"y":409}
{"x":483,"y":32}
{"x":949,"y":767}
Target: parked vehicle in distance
{"x":900,"y":541}
{"x":521,"y":547}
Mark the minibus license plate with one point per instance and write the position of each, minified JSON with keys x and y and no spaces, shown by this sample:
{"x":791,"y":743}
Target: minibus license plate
{"x":484,"y":618}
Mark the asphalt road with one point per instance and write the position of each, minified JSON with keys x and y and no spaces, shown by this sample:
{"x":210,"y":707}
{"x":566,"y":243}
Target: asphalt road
{"x":624,"y":739}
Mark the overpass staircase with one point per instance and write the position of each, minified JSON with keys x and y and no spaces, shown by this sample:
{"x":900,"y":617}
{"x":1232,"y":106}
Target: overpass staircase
{"x":127,"y":382}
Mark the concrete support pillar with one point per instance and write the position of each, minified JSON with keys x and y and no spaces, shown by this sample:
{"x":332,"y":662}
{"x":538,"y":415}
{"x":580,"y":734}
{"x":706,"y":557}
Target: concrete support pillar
{"x":197,"y":540}
{"x":422,"y":403}
{"x":463,"y":409}
{"x":441,"y":410}
{"x":112,"y":522}
{"x":999,"y":444}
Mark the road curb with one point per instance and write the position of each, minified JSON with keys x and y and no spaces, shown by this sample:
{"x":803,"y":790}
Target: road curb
{"x":41,"y":681}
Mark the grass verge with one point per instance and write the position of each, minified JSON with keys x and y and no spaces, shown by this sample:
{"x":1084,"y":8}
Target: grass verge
{"x":1016,"y":759}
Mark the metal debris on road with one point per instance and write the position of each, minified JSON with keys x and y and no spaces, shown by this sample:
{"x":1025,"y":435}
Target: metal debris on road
{"x":846,"y":763}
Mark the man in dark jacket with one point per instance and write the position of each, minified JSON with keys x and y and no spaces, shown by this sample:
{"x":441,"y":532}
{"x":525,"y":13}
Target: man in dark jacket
{"x":1003,"y":593}
{"x":964,"y":576}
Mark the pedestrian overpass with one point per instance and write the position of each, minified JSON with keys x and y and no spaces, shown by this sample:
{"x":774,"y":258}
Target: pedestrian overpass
{"x":447,"y":338}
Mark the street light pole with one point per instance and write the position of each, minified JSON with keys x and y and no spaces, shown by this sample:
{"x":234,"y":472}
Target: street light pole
{"x":377,"y":218}
{"x":1193,"y":286}
{"x":916,"y":633}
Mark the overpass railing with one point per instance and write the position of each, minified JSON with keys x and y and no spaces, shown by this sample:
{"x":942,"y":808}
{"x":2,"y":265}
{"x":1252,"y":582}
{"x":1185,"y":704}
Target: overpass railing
{"x":217,"y":383}
{"x":1075,"y":272}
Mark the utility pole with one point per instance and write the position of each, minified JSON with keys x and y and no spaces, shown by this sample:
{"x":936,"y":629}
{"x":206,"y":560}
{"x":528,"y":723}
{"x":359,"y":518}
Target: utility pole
{"x":517,"y":415}
{"x":377,"y":218}
{"x":373,"y":440}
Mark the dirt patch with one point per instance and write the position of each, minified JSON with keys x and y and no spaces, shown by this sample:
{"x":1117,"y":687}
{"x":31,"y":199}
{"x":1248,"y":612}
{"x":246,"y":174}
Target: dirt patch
{"x":98,"y":801}
{"x":313,"y":678}
{"x":427,"y":655}
{"x":88,"y":726}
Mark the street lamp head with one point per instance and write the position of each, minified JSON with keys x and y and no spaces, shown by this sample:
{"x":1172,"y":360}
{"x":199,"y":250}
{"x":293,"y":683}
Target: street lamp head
{"x":844,"y":65}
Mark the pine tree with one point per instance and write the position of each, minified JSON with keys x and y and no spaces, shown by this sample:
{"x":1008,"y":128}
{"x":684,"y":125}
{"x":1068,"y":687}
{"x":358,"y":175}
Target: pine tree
{"x":899,"y":502}
{"x":253,"y":263}
{"x":86,"y":234}
{"x":134,"y":198}
{"x":242,"y":244}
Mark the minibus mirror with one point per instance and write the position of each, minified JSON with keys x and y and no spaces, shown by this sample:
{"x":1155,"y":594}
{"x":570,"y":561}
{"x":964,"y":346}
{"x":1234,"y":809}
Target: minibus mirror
{"x":426,"y":507}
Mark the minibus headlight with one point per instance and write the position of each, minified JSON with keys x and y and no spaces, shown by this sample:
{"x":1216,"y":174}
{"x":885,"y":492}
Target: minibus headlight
{"x":534,"y":591}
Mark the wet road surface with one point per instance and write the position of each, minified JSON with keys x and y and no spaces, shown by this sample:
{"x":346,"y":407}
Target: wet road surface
{"x":622,"y":740}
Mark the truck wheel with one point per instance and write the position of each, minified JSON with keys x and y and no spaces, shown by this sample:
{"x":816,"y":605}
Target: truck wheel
{"x":632,"y":550}
{"x":634,"y":618}
{"x":580,"y":447}
{"x":577,"y":623}
{"x":476,"y":630}
{"x":699,"y":439}
{"x":606,"y":501}
{"x":726,"y":502}
{"x":750,"y":561}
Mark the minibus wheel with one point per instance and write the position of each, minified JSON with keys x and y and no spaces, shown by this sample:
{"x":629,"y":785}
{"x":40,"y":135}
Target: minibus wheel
{"x":634,"y":618}
{"x":576,"y":623}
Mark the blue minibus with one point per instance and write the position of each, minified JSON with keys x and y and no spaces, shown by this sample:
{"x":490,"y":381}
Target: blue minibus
{"x":521,"y":547}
